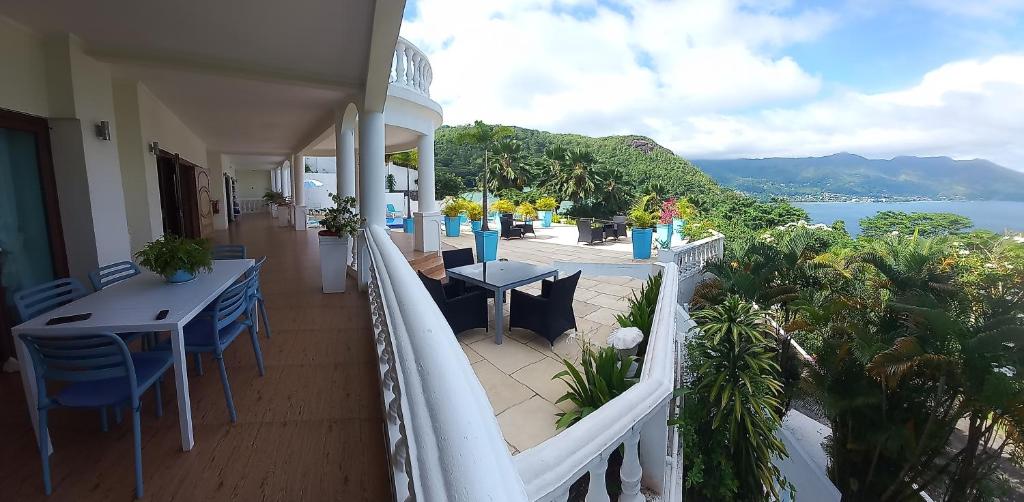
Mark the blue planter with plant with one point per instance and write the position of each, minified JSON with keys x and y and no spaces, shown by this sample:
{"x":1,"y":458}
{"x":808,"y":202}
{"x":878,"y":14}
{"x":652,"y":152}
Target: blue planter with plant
{"x":665,"y":235}
{"x":177,"y":259}
{"x":642,"y":240}
{"x":486,"y":245}
{"x":546,"y":208}
{"x":409,"y":225}
{"x":678,"y":224}
{"x":643,"y":228}
{"x":475,"y":225}
{"x":451,"y":225}
{"x":685,"y":211}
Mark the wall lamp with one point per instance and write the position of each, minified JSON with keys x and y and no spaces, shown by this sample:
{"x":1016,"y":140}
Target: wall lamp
{"x":103,"y":130}
{"x":154,"y":148}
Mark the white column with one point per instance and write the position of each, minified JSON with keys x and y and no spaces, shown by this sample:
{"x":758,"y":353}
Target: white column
{"x":427,"y":219}
{"x":299,"y":191}
{"x":345,"y":156}
{"x":371,"y":166}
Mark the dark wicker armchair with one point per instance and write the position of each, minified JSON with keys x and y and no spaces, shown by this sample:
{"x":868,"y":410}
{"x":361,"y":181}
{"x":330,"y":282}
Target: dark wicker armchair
{"x":550,"y":314}
{"x":458,"y":258}
{"x":462,"y":310}
{"x":588,"y":232}
{"x":619,"y":222}
{"x":508,"y":230}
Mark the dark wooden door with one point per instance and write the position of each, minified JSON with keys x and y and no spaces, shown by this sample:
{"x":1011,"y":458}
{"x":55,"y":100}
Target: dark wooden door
{"x":170,"y":196}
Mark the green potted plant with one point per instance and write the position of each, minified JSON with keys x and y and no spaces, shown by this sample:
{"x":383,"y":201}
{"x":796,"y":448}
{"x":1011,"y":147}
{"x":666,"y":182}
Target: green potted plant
{"x":339,"y":223}
{"x":476,"y":215}
{"x":665,"y":223}
{"x":526,"y":211}
{"x":643,"y":228}
{"x":685,"y":211}
{"x":546,"y":207}
{"x":452,"y":212}
{"x":273,"y":198}
{"x":178,"y":259}
{"x":503,"y":206}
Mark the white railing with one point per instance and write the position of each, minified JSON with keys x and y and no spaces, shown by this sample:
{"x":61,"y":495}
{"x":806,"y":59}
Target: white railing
{"x":444,"y":441}
{"x":252,"y":205}
{"x":637,"y":419}
{"x":691,"y":258}
{"x":411,"y":68}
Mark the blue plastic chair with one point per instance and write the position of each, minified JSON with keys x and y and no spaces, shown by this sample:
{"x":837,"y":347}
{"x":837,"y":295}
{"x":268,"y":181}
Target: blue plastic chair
{"x":257,"y":304}
{"x":229,"y":252}
{"x":99,"y":371}
{"x":37,"y":300}
{"x":392,"y":212}
{"x":112,"y":274}
{"x":214,"y":330}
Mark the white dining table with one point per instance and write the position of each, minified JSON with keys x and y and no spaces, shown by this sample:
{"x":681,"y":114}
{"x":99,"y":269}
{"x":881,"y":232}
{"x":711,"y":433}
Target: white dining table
{"x":131,"y":306}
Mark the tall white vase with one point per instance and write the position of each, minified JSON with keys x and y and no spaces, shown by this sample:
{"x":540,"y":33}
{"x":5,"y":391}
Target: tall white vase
{"x":334,"y":252}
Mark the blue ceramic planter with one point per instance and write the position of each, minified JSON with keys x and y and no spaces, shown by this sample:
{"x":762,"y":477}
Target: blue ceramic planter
{"x":665,"y":235}
{"x":545,"y":218}
{"x":179,"y":277}
{"x":409,"y":225}
{"x":451,"y":225}
{"x":642,"y":243}
{"x":463,"y":218}
{"x":486,"y":245}
{"x":475,"y":225}
{"x":678,"y":224}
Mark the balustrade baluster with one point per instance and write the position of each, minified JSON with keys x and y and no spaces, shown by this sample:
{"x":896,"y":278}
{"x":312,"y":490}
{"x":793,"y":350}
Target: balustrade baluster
{"x":631,"y":470}
{"x":400,"y":63}
{"x":596,"y":490}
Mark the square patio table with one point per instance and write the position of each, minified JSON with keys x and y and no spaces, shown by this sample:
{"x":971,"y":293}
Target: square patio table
{"x":501,"y":276}
{"x":131,"y":306}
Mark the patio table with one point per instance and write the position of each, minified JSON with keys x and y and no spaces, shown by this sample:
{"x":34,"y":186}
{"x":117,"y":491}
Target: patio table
{"x":501,"y":276}
{"x":132,"y":306}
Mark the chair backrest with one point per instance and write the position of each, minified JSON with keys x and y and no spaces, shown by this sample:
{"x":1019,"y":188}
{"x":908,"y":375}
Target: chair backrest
{"x":254,"y":272}
{"x":112,"y":274}
{"x":229,"y":252}
{"x":619,"y":218}
{"x":561,"y":291}
{"x":435,"y":288}
{"x":506,"y":224}
{"x":43,"y":298}
{"x":457,"y":257}
{"x":584,"y":225}
{"x":83,"y":358}
{"x":391,"y":208}
{"x":232,"y":303}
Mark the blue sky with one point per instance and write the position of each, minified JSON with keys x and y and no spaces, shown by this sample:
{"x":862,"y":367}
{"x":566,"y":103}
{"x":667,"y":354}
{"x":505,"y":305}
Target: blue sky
{"x":728,"y":78}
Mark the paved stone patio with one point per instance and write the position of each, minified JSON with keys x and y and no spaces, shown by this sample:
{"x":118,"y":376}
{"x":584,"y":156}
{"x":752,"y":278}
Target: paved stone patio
{"x":517,"y":375}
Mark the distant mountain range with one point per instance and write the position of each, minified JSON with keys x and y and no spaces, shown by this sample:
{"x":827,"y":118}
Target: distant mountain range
{"x":845,"y":176}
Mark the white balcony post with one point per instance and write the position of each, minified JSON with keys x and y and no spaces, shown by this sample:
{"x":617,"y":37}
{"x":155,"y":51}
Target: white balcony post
{"x":371,"y":167}
{"x":427,"y":220}
{"x":345,"y":156}
{"x":299,"y":195}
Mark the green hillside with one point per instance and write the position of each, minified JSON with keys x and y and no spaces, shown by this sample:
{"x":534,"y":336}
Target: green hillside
{"x":645,"y":167}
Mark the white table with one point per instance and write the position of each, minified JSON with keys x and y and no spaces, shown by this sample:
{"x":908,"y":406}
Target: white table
{"x":131,"y":306}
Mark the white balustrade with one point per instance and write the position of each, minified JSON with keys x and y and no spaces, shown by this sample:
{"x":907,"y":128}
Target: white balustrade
{"x":411,"y":68}
{"x":691,"y":258}
{"x":252,"y":205}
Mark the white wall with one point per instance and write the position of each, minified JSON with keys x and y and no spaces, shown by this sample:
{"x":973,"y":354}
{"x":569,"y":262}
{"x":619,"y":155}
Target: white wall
{"x":23,"y":79}
{"x":400,"y":173}
{"x":319,"y":197}
{"x":252,"y":184}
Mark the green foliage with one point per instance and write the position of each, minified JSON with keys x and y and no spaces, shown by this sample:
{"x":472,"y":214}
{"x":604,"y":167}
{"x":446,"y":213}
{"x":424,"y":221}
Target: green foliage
{"x":455,"y":206}
{"x":696,"y":229}
{"x":685,"y":209}
{"x":642,"y":215}
{"x":923,"y":224}
{"x":447,"y":184}
{"x":389,"y":182}
{"x":410,"y":159}
{"x":641,"y":310}
{"x":308,"y":168}
{"x":603,"y":378}
{"x":475,"y":211}
{"x":733,"y":406}
{"x":526,"y":211}
{"x":273,"y":197}
{"x":342,"y":219}
{"x":546,"y":204}
{"x":171,"y":253}
{"x":503,"y":206}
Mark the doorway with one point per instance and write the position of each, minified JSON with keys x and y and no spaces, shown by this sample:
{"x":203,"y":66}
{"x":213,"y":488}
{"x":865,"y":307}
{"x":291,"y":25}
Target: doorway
{"x":31,"y":239}
{"x":185,"y":204}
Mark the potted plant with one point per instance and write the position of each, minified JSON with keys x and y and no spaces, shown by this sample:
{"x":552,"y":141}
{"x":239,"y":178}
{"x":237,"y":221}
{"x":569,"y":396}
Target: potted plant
{"x":643,"y":229}
{"x":546,"y":207}
{"x":476,"y":215}
{"x":685,"y":210}
{"x":339,"y":224}
{"x":176,"y":258}
{"x":526,"y":211}
{"x":452,"y":219}
{"x":273,"y":198}
{"x":665,"y":223}
{"x":503,"y":206}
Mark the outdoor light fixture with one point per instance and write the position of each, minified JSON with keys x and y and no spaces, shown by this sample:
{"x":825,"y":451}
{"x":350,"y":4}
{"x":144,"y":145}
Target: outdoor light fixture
{"x":154,"y":148}
{"x":103,"y":130}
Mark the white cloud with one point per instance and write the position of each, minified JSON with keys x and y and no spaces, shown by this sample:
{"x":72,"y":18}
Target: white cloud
{"x":974,"y":8}
{"x":706,"y":78}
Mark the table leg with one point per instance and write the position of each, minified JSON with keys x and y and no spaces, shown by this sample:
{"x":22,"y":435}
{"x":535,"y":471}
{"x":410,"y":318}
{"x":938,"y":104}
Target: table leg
{"x":28,"y":381}
{"x":499,"y":316}
{"x":181,"y":385}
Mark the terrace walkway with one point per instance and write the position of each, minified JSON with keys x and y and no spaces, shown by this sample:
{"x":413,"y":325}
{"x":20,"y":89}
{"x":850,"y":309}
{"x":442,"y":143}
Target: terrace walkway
{"x":311,"y":429}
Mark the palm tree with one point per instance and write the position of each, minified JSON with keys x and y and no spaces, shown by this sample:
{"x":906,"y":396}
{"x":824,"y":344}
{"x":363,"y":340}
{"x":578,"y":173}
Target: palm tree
{"x":508,"y":165}
{"x":577,"y":179}
{"x":483,"y":136}
{"x":615,"y":192}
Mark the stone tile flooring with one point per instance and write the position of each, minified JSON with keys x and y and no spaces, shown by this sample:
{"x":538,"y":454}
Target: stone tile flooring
{"x":517,"y":375}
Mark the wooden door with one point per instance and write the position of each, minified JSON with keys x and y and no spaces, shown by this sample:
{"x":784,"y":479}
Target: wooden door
{"x":170,"y":194}
{"x":205,"y":202}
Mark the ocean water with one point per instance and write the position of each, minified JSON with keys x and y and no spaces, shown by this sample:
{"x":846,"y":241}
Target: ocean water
{"x":998,"y":216}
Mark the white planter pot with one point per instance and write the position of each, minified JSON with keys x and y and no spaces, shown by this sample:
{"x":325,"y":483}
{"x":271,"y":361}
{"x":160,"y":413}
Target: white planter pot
{"x":273,"y":210}
{"x":282,"y":217}
{"x":334,"y":252}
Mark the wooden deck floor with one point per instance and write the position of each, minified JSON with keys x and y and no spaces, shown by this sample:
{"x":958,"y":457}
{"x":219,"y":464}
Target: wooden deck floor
{"x":311,"y":429}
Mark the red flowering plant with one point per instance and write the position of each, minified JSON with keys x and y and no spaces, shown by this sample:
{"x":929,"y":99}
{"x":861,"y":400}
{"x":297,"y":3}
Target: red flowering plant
{"x":668,"y":211}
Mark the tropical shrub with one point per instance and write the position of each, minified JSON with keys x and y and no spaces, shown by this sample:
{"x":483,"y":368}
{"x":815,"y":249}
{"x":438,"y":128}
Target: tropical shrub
{"x":342,"y":219}
{"x":668,"y":211}
{"x":475,"y":211}
{"x":641,"y":215}
{"x":685,"y":209}
{"x":447,"y":184}
{"x":454,"y":207}
{"x":546,"y":204}
{"x":273,"y":197}
{"x":697,"y":229}
{"x":389,"y":182}
{"x":171,"y":253}
{"x":503,"y":206}
{"x":602,"y":377}
{"x":733,"y":407}
{"x":641,"y":310}
{"x":526,"y":211}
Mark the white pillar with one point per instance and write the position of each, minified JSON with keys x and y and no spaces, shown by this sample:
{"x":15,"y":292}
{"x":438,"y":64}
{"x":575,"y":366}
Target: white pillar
{"x":346,"y":158}
{"x":427,"y":220}
{"x":371,"y":166}
{"x":299,"y":191}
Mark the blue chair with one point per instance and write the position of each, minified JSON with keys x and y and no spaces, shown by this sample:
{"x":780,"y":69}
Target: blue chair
{"x":229,"y":252}
{"x":37,"y":300}
{"x":99,"y":371}
{"x":258,"y":306}
{"x":112,"y":274}
{"x":392,"y":212}
{"x":213,"y":331}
